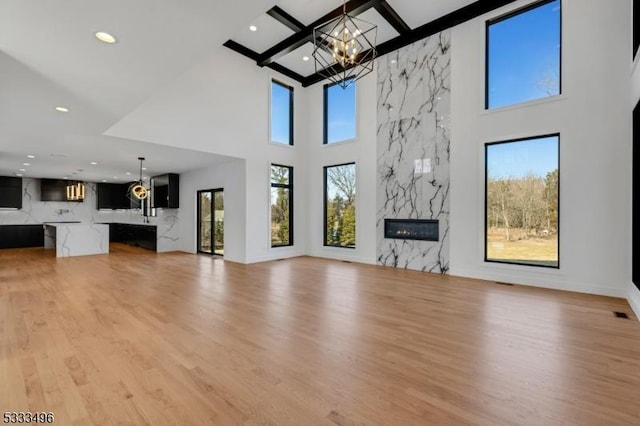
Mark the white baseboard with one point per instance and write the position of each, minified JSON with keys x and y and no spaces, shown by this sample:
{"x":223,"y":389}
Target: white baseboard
{"x":552,"y":281}
{"x":634,"y":299}
{"x":344,"y":257}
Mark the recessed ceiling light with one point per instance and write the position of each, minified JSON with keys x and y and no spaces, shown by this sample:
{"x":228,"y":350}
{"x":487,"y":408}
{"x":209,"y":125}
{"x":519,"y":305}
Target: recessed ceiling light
{"x":26,"y":164}
{"x":393,"y":61}
{"x":116,"y":177}
{"x":305,"y":58}
{"x":19,"y":174}
{"x":23,"y":170}
{"x":104,"y":180}
{"x":31,"y":156}
{"x":144,"y":168}
{"x":128,"y":174}
{"x":62,"y":109}
{"x":253,"y":28}
{"x":105,"y":37}
{"x":93,"y":163}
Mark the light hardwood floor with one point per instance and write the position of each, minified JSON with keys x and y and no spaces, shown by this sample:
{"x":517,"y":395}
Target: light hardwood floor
{"x":136,"y":337}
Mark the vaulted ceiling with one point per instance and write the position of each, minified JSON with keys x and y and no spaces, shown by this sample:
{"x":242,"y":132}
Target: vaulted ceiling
{"x":49,"y":57}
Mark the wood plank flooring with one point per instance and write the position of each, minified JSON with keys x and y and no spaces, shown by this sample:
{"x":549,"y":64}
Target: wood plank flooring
{"x":136,"y":337}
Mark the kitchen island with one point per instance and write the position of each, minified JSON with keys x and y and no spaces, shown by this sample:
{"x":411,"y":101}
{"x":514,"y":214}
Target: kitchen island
{"x":76,"y":239}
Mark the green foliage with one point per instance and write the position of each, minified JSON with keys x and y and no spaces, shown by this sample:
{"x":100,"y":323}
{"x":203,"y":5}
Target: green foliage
{"x":348,"y":234}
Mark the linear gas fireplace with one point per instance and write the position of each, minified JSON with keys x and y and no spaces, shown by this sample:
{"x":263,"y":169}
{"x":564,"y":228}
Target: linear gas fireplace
{"x":412,"y":229}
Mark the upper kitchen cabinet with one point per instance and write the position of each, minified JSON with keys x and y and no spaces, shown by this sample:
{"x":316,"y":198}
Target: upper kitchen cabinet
{"x":10,"y":192}
{"x":166,"y":191}
{"x":56,"y":190}
{"x":114,"y":196}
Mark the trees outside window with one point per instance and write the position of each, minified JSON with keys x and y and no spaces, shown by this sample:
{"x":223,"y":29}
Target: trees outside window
{"x":522,"y":201}
{"x":281,"y":206}
{"x":340,"y":205}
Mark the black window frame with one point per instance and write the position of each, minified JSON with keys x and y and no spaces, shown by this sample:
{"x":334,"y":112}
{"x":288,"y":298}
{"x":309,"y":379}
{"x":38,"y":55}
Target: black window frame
{"x":486,"y":199}
{"x":199,"y":220}
{"x":325,"y":205}
{"x":291,"y":114}
{"x":504,"y":17}
{"x":325,"y":111}
{"x":288,"y":186}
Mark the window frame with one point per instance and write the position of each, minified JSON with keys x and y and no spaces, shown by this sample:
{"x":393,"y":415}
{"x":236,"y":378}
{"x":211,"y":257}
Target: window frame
{"x":486,"y":200}
{"x":325,"y":113}
{"x":291,"y":111}
{"x":325,"y":205}
{"x":288,"y":186}
{"x":504,"y":17}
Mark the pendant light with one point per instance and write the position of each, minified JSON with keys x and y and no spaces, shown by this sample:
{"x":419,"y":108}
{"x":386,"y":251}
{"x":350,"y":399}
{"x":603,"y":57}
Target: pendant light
{"x":344,"y":48}
{"x":137,"y":189}
{"x":75,"y":191}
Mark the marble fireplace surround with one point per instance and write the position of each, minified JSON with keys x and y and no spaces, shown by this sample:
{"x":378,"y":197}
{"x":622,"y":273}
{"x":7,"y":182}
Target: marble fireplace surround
{"x":413,"y":150}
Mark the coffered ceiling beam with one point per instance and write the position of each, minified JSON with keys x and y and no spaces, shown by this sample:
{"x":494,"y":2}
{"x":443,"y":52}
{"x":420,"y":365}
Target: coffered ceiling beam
{"x":245,"y":51}
{"x":285,"y":19}
{"x":450,"y":20}
{"x":291,"y":43}
{"x":392,"y":17}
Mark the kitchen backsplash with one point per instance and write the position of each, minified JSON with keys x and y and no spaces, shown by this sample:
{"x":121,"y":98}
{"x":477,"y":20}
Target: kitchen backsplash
{"x":35,"y":211}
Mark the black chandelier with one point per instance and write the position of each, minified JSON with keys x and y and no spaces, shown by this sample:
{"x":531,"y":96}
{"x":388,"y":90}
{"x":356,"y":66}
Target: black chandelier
{"x":344,"y":48}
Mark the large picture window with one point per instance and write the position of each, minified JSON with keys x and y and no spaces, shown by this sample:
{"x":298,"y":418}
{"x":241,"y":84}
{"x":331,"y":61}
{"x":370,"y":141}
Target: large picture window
{"x":281,"y":206}
{"x":281,"y":113}
{"x":523,"y":55}
{"x":523,"y":201}
{"x":340,"y":205}
{"x":339,"y":113}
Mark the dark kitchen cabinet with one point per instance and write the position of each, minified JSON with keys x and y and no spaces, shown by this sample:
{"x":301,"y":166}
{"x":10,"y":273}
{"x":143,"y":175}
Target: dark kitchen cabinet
{"x":166,"y":191}
{"x":55,"y":190}
{"x":21,"y":236}
{"x":114,"y":196}
{"x":144,"y":236}
{"x":10,"y":192}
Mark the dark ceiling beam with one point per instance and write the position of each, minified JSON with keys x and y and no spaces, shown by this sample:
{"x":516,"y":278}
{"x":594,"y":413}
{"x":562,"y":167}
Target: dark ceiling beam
{"x":291,"y":43}
{"x":245,"y":51}
{"x":285,"y":19}
{"x":450,"y":20}
{"x":392,"y":17}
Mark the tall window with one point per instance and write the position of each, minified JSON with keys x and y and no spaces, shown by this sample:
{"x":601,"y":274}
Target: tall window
{"x":339,"y":113}
{"x":523,"y":201}
{"x":523,"y":55}
{"x":340,"y":205}
{"x":281,"y":206}
{"x":281,"y":113}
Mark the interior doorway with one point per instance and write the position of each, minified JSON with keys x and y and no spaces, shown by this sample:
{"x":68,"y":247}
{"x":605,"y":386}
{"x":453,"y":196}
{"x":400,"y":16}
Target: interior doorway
{"x":211,"y":221}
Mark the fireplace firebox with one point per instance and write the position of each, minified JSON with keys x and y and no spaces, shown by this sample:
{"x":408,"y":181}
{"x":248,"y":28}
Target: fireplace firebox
{"x":412,"y":229}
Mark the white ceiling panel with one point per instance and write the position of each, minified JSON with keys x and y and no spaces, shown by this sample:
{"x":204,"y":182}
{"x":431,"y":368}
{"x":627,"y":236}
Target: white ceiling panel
{"x":307,"y":11}
{"x":294,"y":60}
{"x":385,"y":30}
{"x":269,"y":32}
{"x":418,"y":12}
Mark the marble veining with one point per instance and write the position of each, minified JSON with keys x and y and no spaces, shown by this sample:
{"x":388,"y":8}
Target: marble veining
{"x":77,"y":239}
{"x":413,"y":124}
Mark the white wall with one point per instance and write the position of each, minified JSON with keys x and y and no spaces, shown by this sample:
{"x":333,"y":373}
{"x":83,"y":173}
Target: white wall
{"x":207,"y":110}
{"x":229,"y":176}
{"x":203,"y":111}
{"x":593,"y":118}
{"x":362,"y":150}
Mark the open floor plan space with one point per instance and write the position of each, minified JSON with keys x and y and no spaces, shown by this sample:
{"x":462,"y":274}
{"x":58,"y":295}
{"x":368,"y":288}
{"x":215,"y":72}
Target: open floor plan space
{"x":136,"y":337}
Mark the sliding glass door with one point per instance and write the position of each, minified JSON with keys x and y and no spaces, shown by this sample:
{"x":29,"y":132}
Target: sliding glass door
{"x":211,"y":221}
